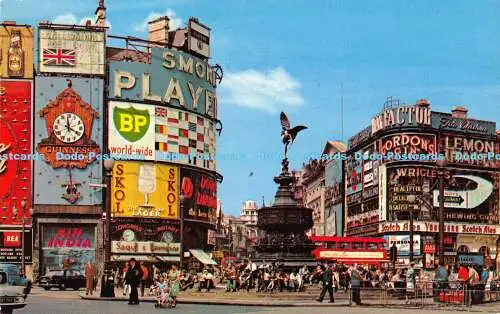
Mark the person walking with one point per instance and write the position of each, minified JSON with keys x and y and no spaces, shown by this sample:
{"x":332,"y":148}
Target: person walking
{"x":89,"y":278}
{"x":410,"y":282}
{"x":327,"y":285}
{"x":144,"y":277}
{"x":355,"y":286}
{"x":132,"y":278}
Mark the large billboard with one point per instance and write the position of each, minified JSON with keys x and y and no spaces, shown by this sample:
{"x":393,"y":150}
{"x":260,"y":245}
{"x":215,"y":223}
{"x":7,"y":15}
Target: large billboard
{"x":16,"y":51}
{"x":446,"y":122}
{"x":200,"y":196}
{"x":15,"y":150}
{"x":67,"y":246}
{"x":402,"y":243}
{"x":131,"y":130}
{"x":145,"y":190}
{"x":174,"y":78}
{"x":74,"y":51}
{"x":470,"y":150}
{"x":185,"y":138}
{"x":353,"y":174}
{"x":68,"y":138}
{"x":132,"y":237}
{"x":11,"y":246}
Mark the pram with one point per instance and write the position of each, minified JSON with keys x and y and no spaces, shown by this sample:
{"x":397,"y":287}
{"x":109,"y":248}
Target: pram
{"x":165,"y":297}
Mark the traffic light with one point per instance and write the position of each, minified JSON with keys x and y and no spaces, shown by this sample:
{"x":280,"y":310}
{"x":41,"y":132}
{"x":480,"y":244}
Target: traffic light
{"x":393,"y":253}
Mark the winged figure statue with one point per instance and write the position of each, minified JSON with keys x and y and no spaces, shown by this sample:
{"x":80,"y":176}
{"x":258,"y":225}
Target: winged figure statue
{"x":288,"y":134}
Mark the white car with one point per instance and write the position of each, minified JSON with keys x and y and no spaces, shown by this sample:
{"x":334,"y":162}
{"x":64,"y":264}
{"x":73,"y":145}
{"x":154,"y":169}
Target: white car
{"x":13,"y":288}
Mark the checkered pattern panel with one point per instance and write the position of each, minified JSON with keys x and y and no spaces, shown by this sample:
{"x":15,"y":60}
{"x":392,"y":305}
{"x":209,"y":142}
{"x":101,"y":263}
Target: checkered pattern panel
{"x":187,"y":134}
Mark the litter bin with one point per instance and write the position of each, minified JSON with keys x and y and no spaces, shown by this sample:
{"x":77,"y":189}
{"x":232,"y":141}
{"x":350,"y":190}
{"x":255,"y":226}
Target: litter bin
{"x":108,"y":284}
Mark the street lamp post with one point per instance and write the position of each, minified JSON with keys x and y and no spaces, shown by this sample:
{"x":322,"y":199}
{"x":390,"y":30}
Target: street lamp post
{"x":23,"y":207}
{"x":440,"y":163}
{"x":108,"y":172}
{"x":181,"y":200}
{"x":411,"y":201}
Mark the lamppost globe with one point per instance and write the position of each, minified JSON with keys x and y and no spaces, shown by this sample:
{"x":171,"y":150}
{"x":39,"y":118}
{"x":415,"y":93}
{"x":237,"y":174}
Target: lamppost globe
{"x":109,"y":164}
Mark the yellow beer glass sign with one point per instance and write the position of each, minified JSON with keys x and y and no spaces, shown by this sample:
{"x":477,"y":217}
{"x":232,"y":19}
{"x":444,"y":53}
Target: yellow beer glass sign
{"x":145,"y":190}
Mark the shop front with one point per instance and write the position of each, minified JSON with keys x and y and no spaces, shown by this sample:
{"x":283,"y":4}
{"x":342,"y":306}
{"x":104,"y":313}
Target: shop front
{"x":67,"y":246}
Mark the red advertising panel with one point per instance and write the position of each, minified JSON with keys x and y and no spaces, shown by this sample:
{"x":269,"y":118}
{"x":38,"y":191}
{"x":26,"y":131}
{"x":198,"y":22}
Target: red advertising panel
{"x":200,"y":196}
{"x":12,"y":239}
{"x":15,"y":151}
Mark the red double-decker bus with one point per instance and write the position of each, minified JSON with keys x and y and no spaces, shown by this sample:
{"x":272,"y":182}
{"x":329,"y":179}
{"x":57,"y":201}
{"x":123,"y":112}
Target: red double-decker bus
{"x":351,"y":250}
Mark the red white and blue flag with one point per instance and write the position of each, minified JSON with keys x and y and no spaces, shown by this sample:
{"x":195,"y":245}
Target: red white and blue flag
{"x":65,"y":57}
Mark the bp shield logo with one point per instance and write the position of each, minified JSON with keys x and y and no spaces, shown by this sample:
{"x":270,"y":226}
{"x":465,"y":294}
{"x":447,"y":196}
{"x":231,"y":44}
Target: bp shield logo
{"x":131,"y":123}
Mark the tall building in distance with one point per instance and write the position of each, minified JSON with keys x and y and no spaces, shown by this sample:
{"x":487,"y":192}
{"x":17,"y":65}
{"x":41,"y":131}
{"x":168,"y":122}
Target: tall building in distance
{"x":249,"y":216}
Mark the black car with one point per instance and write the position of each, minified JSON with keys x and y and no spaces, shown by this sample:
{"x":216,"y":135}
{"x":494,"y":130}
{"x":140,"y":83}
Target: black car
{"x":58,"y":279}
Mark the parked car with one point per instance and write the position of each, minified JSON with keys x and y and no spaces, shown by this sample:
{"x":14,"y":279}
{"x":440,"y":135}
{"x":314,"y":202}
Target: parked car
{"x":73,"y":279}
{"x":14,"y":288}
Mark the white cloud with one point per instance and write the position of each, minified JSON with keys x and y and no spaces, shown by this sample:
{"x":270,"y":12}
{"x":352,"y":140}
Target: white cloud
{"x":67,"y":18}
{"x":71,"y":19}
{"x":175,"y":21}
{"x":270,"y":91}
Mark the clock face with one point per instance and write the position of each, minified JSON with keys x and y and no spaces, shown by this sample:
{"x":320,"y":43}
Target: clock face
{"x":68,"y":127}
{"x":128,"y":235}
{"x":167,"y":237}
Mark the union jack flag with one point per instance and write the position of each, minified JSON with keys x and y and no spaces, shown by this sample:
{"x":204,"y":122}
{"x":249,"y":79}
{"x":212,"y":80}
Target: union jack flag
{"x":58,"y":56}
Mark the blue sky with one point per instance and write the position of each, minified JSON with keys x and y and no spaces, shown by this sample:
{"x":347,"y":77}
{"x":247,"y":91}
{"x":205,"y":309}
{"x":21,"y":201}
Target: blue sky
{"x":294,"y":55}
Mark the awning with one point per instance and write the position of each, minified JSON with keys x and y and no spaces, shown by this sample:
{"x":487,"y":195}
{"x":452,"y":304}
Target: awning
{"x":203,"y":257}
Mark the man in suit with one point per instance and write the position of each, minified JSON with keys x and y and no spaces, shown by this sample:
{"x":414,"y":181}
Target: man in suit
{"x":132,"y":278}
{"x":327,"y":284}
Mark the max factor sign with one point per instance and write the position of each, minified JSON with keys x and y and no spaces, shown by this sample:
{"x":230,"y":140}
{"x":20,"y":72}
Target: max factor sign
{"x":404,"y":116}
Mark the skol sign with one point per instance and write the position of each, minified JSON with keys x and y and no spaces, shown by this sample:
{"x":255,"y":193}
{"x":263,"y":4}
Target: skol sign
{"x":145,"y":190}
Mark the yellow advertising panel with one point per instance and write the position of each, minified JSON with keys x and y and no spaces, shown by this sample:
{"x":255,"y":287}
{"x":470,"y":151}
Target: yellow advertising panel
{"x":145,"y":190}
{"x":16,"y":51}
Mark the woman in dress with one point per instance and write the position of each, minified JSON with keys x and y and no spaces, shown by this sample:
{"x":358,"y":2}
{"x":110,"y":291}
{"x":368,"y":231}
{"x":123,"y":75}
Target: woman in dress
{"x":174,"y":278}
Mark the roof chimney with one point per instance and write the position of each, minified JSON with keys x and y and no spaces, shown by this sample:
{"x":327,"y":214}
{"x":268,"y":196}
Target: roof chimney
{"x":423,"y":102}
{"x":459,"y":112}
{"x":158,"y":30}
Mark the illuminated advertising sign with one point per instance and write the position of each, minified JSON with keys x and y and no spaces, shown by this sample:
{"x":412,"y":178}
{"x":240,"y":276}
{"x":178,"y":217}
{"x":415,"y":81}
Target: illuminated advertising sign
{"x":68,"y":136}
{"x":131,"y":130}
{"x":15,"y":149}
{"x":472,"y":151}
{"x":354,"y":170}
{"x":446,"y":122}
{"x":16,"y":51}
{"x":470,"y":196}
{"x":73,"y":51}
{"x":11,"y":246}
{"x":200,"y":196}
{"x":403,"y":116}
{"x":185,"y":138}
{"x":145,"y":190}
{"x":360,"y":137}
{"x":67,"y":246}
{"x":433,"y":227}
{"x":382,"y":192}
{"x":173,"y":77}
{"x":408,"y":144}
{"x":333,"y":182}
{"x":402,"y":243}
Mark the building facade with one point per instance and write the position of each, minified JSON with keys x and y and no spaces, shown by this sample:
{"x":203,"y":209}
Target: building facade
{"x":392,"y":182}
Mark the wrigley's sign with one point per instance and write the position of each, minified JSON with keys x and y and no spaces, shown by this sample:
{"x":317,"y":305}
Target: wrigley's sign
{"x":404,"y":226}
